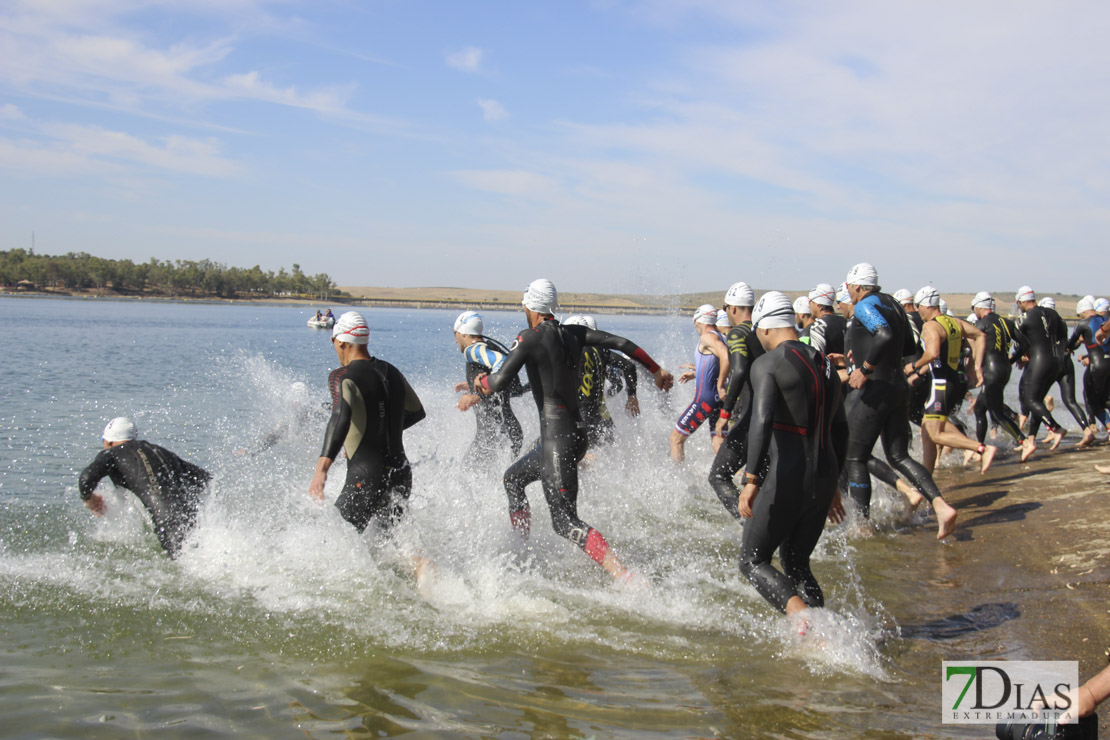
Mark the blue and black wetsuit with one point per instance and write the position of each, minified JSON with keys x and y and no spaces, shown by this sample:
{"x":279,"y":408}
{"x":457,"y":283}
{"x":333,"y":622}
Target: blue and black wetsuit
{"x":494,"y":413}
{"x":168,"y":486}
{"x":551,"y":353}
{"x":1003,"y":343}
{"x":743,"y":349}
{"x":1096,"y":379}
{"x":1039,"y":326}
{"x":372,"y":405}
{"x":798,"y":441}
{"x":880,"y":334}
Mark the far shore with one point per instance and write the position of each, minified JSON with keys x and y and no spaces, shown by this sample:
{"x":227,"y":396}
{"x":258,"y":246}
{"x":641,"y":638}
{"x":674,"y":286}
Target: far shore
{"x":507,"y":300}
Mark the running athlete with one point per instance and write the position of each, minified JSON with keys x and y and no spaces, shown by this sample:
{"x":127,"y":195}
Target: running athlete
{"x":1066,"y":380}
{"x":372,"y":405}
{"x":551,"y":353}
{"x":168,"y":487}
{"x":494,"y":414}
{"x":826,"y":333}
{"x":743,"y":350}
{"x":592,"y":374}
{"x":1096,"y":378}
{"x":943,"y":337}
{"x":880,"y":336}
{"x":1040,"y":326}
{"x":1003,"y":343}
{"x":797,"y":444}
{"x":711,"y":368}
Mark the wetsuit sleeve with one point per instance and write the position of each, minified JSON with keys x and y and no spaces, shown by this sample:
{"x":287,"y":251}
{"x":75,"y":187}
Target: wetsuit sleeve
{"x":194,"y":475}
{"x":482,"y":354}
{"x":340,"y":420}
{"x":598,"y":338}
{"x":512,"y":364}
{"x":763,"y":416}
{"x":816,"y":336}
{"x":1021,"y":341}
{"x":872,"y":319}
{"x":739,"y":362}
{"x":104,"y":465}
{"x":626,"y":368}
{"x":414,"y":410}
{"x":1078,"y":336}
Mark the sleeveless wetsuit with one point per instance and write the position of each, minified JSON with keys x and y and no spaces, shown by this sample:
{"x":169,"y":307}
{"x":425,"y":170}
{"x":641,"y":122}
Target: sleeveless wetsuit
{"x":494,"y":413}
{"x":743,"y":349}
{"x":372,"y":405}
{"x":798,"y":439}
{"x":707,"y":402}
{"x":1002,"y":335}
{"x":1039,"y":325}
{"x":1096,"y":378}
{"x":551,"y":353}
{"x":168,"y":486}
{"x":880,"y":334}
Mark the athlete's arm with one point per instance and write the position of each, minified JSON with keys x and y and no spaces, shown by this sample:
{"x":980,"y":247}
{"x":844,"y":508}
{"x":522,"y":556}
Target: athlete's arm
{"x":509,"y":367}
{"x":194,"y":475}
{"x":714,"y":344}
{"x":1078,"y":335}
{"x":763,"y":416}
{"x":102,"y":466}
{"x":978,"y":342}
{"x":338,"y":425}
{"x":627,"y":370}
{"x":868,"y":314}
{"x":817,"y":335}
{"x":932,"y":335}
{"x":414,"y":410}
{"x":1102,"y":333}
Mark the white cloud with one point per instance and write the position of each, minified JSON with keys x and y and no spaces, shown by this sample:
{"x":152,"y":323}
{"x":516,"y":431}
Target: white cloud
{"x":468,"y":59}
{"x":492,"y":110}
{"x":517,"y":183}
{"x":10,"y":112}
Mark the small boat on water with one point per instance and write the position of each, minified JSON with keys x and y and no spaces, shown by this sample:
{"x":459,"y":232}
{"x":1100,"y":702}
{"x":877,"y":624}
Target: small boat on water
{"x":324,"y":322}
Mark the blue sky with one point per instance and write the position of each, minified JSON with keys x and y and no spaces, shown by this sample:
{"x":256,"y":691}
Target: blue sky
{"x":614,"y":146}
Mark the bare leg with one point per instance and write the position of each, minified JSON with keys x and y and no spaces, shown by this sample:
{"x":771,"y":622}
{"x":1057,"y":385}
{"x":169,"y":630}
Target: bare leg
{"x":940,"y":433}
{"x":678,"y":446}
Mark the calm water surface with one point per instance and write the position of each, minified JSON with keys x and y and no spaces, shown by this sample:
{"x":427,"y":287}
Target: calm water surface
{"x":280,"y":621}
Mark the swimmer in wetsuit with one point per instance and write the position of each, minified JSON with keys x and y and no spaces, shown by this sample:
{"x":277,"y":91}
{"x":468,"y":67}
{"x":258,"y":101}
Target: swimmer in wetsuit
{"x":1096,"y":378}
{"x":372,"y":405}
{"x":551,"y":353}
{"x":1041,"y":328}
{"x":797,"y":442}
{"x":943,"y":337}
{"x":493,"y":414}
{"x":880,"y":336}
{"x":592,"y":374}
{"x":743,"y":350}
{"x":1003,"y":343}
{"x":826,"y":332}
{"x":711,"y":368}
{"x":168,"y":487}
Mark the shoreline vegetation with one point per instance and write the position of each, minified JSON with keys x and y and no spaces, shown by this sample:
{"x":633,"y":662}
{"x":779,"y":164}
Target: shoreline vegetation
{"x":80,"y":275}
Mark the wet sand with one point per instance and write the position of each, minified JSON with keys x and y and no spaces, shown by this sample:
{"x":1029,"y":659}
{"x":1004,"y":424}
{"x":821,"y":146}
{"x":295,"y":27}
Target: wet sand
{"x":1033,"y":535}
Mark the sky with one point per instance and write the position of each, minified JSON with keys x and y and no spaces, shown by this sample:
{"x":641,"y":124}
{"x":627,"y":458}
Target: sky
{"x":618,"y":146}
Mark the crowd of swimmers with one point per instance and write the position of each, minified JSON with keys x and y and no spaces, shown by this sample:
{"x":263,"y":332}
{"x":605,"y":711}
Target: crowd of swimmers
{"x":795,"y":394}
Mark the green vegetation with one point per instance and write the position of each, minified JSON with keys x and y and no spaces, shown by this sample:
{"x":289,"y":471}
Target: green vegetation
{"x":82,"y":272}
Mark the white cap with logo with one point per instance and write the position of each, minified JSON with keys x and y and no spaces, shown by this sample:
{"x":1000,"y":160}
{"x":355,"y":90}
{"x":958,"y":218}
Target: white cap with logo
{"x":351,"y":328}
{"x":120,"y":429}
{"x":773,"y":311}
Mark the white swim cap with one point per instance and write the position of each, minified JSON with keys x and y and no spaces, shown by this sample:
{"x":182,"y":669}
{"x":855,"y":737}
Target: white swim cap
{"x":1086,"y":303}
{"x":706,"y":314}
{"x":120,"y":429}
{"x":863,"y":274}
{"x":740,"y":295}
{"x":971,"y":318}
{"x":541,"y":297}
{"x":800,"y":305}
{"x":1048,"y":302}
{"x":823,"y":295}
{"x":1025,"y":293}
{"x":982,"y":299}
{"x":774,"y":311}
{"x":942,"y":305}
{"x":470,"y":323}
{"x":1090,"y":298}
{"x":722,"y":319}
{"x":351,"y":328}
{"x":574,"y":320}
{"x":903,"y":296}
{"x":842,"y":294}
{"x":1102,"y":305}
{"x":590,"y":321}
{"x":927,"y":296}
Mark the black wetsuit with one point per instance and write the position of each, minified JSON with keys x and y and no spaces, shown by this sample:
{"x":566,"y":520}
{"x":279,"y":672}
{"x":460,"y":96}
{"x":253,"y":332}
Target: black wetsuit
{"x":1066,"y":377}
{"x":594,"y":370}
{"x":1003,"y":342}
{"x":919,"y":391}
{"x":880,"y":334}
{"x":494,"y":413}
{"x":551,"y":353}
{"x":168,"y":486}
{"x":1096,"y":379}
{"x":372,"y":405}
{"x":826,"y":333}
{"x":1040,"y":326}
{"x":743,"y":349}
{"x":798,"y":436}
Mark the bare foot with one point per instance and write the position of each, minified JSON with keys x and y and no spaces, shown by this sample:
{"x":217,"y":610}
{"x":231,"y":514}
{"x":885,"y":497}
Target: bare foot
{"x":988,"y":458}
{"x":1028,"y":447}
{"x":913,"y":496}
{"x":969,"y":455}
{"x":1088,"y":438}
{"x":1057,"y":438}
{"x":946,"y":517}
{"x":1104,"y":469}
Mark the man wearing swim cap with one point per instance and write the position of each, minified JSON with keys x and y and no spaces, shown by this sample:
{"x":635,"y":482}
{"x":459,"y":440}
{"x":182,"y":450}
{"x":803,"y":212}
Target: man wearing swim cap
{"x":1096,"y":378}
{"x":493,"y":414}
{"x":1042,"y":328}
{"x":802,"y":318}
{"x":372,"y":405}
{"x":743,"y":350}
{"x":711,"y":368}
{"x":550,"y":353}
{"x":797,"y":443}
{"x":826,"y":331}
{"x":880,"y":336}
{"x":168,"y":487}
{"x":1004,"y":344}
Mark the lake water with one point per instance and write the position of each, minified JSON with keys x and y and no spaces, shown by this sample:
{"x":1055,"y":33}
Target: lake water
{"x":280,"y":621}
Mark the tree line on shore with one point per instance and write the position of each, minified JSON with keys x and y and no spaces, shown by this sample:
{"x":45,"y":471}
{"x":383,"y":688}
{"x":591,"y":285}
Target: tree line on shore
{"x":80,"y":271}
